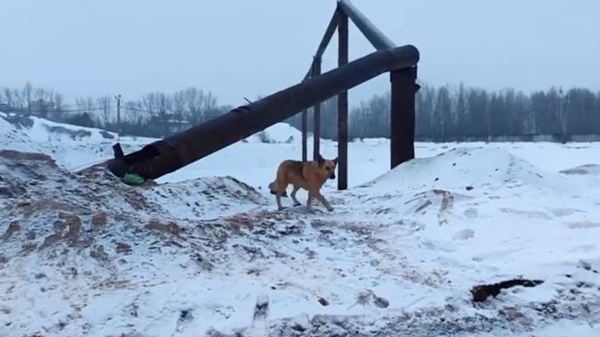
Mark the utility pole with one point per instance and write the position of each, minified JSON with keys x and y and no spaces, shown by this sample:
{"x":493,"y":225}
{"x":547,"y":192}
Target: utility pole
{"x":118,"y":97}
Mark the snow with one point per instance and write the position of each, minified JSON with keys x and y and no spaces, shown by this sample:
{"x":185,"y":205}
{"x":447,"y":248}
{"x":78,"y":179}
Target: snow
{"x":278,"y":133}
{"x":195,"y":254}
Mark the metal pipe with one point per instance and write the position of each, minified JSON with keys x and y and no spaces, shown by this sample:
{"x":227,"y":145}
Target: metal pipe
{"x":331,"y":27}
{"x":333,"y":24}
{"x":204,"y":139}
{"x":343,"y":106}
{"x":372,"y":33}
{"x":316,"y":114}
{"x":402,"y":123}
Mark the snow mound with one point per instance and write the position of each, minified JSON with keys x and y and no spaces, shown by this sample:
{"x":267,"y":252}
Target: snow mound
{"x":73,"y":147}
{"x":206,"y":198}
{"x":63,"y":232}
{"x":42,"y":130}
{"x":463,"y":169}
{"x":84,"y":254}
{"x":277,"y":133}
{"x":590,"y":169}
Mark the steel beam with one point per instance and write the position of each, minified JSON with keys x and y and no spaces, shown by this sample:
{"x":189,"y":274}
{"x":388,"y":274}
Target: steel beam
{"x":316,"y":114}
{"x":374,"y":35}
{"x":304,"y":135}
{"x":402,"y":124}
{"x":343,"y":105}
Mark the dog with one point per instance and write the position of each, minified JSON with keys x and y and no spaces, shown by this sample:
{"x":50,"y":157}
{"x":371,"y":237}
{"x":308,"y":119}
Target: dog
{"x":310,"y":175}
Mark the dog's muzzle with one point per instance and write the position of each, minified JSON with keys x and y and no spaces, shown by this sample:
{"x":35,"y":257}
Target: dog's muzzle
{"x":332,"y":176}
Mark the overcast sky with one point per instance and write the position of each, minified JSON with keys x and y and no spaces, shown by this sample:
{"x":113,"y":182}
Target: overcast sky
{"x":242,"y":48}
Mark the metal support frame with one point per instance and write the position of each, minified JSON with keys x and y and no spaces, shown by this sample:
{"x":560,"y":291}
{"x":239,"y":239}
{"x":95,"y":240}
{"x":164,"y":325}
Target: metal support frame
{"x":402,"y":124}
{"x":366,"y":27}
{"x":174,"y":152}
{"x":343,"y":106}
{"x":304,"y":135}
{"x":331,"y":27}
{"x":201,"y":140}
{"x":316,"y":114}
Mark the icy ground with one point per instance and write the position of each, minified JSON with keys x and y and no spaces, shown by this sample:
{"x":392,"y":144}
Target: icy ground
{"x":85,"y":255}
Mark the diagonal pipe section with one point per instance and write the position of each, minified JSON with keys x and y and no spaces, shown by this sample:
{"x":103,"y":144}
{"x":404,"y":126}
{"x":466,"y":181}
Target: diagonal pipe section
{"x":177,"y":151}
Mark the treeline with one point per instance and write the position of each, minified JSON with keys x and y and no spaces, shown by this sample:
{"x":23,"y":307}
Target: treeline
{"x":444,"y":113}
{"x":459,"y":113}
{"x":153,"y":115}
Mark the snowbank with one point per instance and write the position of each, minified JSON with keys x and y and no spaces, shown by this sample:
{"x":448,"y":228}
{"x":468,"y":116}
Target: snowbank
{"x":85,"y":254}
{"x":464,"y":168}
{"x":277,"y":133}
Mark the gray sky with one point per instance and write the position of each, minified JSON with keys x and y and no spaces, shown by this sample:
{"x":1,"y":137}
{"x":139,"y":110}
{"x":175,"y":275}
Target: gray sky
{"x":241,"y":48}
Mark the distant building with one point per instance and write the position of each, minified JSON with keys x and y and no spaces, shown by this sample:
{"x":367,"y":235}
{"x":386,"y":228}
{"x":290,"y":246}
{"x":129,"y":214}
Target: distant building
{"x":6,"y":108}
{"x":44,"y":109}
{"x":170,"y":123}
{"x":41,"y":108}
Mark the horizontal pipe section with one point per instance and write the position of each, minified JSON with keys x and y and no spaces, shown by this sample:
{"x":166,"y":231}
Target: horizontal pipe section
{"x":204,"y":139}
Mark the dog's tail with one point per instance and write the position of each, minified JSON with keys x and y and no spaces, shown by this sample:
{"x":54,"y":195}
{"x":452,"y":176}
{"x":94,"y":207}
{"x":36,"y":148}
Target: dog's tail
{"x":273,"y":190}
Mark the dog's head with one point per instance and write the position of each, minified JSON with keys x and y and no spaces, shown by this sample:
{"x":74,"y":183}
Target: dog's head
{"x":327,"y":167}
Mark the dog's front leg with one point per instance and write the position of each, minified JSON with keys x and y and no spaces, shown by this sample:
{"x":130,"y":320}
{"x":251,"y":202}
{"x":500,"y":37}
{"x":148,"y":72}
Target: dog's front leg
{"x":309,"y":200}
{"x":324,"y":201}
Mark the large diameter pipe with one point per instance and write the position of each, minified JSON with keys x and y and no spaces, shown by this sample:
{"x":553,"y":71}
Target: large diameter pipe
{"x":204,"y":139}
{"x":369,"y":30}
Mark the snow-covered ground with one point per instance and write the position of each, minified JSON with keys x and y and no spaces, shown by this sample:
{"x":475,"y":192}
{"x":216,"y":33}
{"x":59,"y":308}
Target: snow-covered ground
{"x":83,"y":254}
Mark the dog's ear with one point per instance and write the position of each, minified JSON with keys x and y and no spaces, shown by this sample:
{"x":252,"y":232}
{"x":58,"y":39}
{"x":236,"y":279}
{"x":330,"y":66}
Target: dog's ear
{"x":320,"y":160}
{"x":335,"y":161}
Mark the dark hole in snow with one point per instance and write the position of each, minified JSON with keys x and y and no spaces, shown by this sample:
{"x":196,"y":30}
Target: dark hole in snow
{"x":61,"y":325}
{"x":185,"y":315}
{"x":481,"y":293}
{"x":436,"y":179}
{"x":381,"y":302}
{"x":106,"y":135}
{"x":298,"y":327}
{"x":469,"y":188}
{"x":323,"y":301}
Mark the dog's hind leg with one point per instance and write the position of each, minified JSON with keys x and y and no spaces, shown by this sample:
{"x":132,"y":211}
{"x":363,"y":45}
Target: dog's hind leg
{"x":293,"y":196}
{"x":273,"y":189}
{"x":281,"y":190}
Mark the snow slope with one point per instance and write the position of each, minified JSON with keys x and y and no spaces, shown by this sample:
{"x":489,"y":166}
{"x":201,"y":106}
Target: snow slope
{"x":82,"y":254}
{"x":399,"y":254}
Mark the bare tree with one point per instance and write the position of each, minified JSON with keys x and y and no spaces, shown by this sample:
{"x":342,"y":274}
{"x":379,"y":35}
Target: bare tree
{"x":150,"y":103}
{"x":561,"y":114}
{"x":197,"y":103}
{"x":18,"y":99}
{"x":58,"y":102}
{"x":8,"y":96}
{"x":40,"y":94}
{"x":28,"y":95}
{"x":179,"y":105}
{"x":104,"y":104}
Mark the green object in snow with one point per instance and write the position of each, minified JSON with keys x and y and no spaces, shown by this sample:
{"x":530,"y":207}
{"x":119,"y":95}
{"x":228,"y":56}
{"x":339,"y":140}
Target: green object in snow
{"x":133,"y":179}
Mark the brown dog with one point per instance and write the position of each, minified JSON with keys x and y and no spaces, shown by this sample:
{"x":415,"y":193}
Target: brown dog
{"x":309,"y":175}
